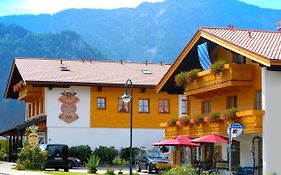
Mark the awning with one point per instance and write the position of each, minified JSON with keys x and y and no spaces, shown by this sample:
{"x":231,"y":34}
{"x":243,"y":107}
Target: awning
{"x":213,"y":138}
{"x":180,"y":140}
{"x":37,"y":119}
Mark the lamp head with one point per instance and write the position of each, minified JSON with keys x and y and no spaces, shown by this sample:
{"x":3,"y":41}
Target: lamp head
{"x":126,"y":98}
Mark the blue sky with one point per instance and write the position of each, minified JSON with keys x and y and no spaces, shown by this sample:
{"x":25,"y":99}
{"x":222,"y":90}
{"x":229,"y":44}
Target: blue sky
{"x":10,"y":7}
{"x":273,"y":4}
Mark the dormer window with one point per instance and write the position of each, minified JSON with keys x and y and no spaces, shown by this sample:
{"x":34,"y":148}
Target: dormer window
{"x":146,"y":71}
{"x":63,"y":67}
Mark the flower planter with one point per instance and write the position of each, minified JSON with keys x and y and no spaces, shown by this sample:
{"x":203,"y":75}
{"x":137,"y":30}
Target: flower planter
{"x":171,"y":131}
{"x":215,"y":127}
{"x":184,"y":130}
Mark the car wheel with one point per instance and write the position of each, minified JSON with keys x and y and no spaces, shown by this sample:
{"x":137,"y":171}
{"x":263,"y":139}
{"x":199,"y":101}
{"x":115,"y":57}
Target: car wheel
{"x":71,"y":165}
{"x":138,"y":167}
{"x":56,"y":169}
{"x":149,"y":170}
{"x":66,"y":170}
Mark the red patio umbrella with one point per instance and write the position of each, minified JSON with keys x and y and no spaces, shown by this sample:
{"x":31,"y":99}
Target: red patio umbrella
{"x":213,"y":138}
{"x":180,"y":140}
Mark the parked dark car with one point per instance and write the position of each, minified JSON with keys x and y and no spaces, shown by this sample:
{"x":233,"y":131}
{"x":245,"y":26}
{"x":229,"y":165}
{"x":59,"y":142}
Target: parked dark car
{"x":147,"y":160}
{"x":74,"y":162}
{"x":58,"y":156}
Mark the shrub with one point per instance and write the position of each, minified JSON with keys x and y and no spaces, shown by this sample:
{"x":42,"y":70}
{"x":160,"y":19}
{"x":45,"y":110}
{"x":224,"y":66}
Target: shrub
{"x":217,"y":67}
{"x":164,"y":166}
{"x":213,"y":117}
{"x":31,"y":158}
{"x":182,"y":169}
{"x":82,"y":152}
{"x":110,"y":170}
{"x":93,"y":163}
{"x":106,"y":154}
{"x":172,"y":121}
{"x":229,"y":114}
{"x":3,"y":155}
{"x":120,"y":163}
{"x":125,"y":153}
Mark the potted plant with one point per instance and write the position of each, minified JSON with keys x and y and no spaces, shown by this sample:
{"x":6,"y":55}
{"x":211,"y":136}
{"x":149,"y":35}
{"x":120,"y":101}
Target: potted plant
{"x":184,"y":121}
{"x":212,"y":117}
{"x":93,"y":164}
{"x":120,"y":163}
{"x":183,"y":78}
{"x":197,"y":119}
{"x":172,"y":121}
{"x":217,"y":67}
{"x":180,"y":79}
{"x":192,"y":75}
{"x":18,"y":87}
{"x":229,"y":115}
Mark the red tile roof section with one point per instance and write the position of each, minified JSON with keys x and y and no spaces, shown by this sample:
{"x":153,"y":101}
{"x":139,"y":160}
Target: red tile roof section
{"x":97,"y":72}
{"x":263,"y":43}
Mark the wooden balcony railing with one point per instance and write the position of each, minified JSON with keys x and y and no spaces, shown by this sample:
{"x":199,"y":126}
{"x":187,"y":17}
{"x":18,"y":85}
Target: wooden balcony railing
{"x":233,"y":75}
{"x":250,"y":119}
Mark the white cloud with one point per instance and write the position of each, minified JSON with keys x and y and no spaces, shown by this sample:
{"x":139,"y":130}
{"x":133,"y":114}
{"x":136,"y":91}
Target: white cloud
{"x":53,"y":6}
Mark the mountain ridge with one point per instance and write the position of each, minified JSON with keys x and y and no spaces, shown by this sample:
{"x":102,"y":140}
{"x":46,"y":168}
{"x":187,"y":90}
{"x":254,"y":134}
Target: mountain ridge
{"x":152,"y":31}
{"x":16,"y":41}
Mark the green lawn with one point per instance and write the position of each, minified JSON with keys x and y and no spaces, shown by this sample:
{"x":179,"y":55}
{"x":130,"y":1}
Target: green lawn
{"x":70,"y":173}
{"x":62,"y":173}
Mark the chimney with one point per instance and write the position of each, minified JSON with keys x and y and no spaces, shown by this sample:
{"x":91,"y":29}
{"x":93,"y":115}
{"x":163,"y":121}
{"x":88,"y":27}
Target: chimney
{"x":161,"y":63}
{"x":279,"y":26}
{"x":250,"y":34}
{"x":60,"y":61}
{"x":121,"y":61}
{"x":146,"y":62}
{"x":231,"y":27}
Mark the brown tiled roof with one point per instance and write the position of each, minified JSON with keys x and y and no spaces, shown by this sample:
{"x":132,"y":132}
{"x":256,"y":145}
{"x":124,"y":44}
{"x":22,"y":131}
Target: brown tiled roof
{"x":263,"y":47}
{"x":264,"y":43}
{"x":35,"y":70}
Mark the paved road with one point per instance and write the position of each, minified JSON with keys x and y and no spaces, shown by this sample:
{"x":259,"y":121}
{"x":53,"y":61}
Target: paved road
{"x":7,"y":168}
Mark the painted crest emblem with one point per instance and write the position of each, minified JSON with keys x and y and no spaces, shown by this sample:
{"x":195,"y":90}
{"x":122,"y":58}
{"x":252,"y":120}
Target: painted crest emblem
{"x":33,"y":139}
{"x":68,"y":106}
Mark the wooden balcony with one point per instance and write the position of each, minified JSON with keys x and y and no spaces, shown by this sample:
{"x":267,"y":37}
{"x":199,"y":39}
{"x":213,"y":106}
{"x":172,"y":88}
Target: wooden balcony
{"x":250,"y":119}
{"x":233,"y":76}
{"x":29,"y":93}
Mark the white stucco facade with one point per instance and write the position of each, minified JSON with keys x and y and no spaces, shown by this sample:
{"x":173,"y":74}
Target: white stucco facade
{"x":271,"y":95}
{"x":53,"y":107}
{"x":94,"y":137}
{"x":79,"y":132}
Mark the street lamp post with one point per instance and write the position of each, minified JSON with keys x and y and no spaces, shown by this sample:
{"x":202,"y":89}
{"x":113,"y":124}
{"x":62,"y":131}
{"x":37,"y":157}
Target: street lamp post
{"x":127,"y":98}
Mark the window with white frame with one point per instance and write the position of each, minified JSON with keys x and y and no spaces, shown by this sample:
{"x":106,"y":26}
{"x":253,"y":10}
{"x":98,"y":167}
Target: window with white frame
{"x":143,"y":105}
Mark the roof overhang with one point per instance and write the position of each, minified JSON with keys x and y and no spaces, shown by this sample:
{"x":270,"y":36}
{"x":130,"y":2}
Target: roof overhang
{"x":15,"y":77}
{"x":35,"y":120}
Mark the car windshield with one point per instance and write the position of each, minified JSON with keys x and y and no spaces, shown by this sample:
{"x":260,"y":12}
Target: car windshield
{"x":155,"y":154}
{"x":56,"y":149}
